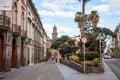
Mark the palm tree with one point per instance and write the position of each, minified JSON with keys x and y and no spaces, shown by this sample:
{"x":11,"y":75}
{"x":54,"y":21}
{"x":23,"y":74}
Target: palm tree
{"x":94,"y":18}
{"x":79,"y":19}
{"x":83,"y":13}
{"x":83,"y":6}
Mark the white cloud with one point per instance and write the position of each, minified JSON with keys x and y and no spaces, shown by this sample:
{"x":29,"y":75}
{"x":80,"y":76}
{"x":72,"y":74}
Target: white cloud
{"x":46,"y":13}
{"x":48,"y":29}
{"x":104,"y":1}
{"x":109,"y":7}
{"x":62,"y":30}
{"x":119,"y":18}
{"x":115,"y":5}
{"x":51,"y":6}
{"x":118,"y":12}
{"x":59,"y":8}
{"x":59,"y":4}
{"x":73,"y":7}
{"x":64,"y":14}
{"x":61,"y":14}
{"x":102,"y":8}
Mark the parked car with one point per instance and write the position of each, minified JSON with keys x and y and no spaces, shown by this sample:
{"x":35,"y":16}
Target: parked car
{"x":107,"y":57}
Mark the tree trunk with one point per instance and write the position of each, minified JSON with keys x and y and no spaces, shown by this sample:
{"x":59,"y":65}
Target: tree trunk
{"x":80,"y":23}
{"x":83,"y":13}
{"x":96,"y":46}
{"x":94,"y":21}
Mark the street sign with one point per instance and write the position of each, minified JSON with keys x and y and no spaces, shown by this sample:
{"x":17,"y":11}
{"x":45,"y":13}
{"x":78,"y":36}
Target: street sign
{"x":6,"y":5}
{"x":84,"y":39}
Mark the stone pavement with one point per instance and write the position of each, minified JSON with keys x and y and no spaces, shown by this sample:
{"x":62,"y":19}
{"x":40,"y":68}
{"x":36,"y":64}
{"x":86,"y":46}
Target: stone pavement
{"x":56,"y":71}
{"x":44,"y":71}
{"x":70,"y":74}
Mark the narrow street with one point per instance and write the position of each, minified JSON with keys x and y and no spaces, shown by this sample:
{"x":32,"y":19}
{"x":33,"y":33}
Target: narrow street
{"x":114,"y":65}
{"x":42,"y":71}
{"x":55,"y":71}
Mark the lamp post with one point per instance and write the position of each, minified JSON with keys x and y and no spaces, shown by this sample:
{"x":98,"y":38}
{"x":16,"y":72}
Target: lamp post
{"x":100,"y":37}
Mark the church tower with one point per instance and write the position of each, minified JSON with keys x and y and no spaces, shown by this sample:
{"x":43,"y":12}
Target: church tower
{"x":54,"y":34}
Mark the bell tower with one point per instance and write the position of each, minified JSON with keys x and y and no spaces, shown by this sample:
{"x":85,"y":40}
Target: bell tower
{"x":54,"y":34}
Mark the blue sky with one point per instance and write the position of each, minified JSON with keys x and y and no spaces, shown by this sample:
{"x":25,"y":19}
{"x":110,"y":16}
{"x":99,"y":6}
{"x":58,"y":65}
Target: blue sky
{"x":62,"y":12}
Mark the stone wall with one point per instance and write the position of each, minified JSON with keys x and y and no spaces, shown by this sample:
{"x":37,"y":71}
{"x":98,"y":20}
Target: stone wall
{"x":79,"y":67}
{"x":72,"y":64}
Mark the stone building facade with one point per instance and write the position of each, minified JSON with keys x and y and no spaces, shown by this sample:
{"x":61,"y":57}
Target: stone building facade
{"x":22,"y":37}
{"x":54,"y":37}
{"x":117,"y":42}
{"x":49,"y":41}
{"x":111,"y":48}
{"x":54,"y":34}
{"x":114,"y":44}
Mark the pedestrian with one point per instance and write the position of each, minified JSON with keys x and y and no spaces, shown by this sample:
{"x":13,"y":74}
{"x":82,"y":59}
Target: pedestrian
{"x":58,"y":55}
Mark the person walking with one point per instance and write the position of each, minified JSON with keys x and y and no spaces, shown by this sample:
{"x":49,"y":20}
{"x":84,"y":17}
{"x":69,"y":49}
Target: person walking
{"x":58,"y":55}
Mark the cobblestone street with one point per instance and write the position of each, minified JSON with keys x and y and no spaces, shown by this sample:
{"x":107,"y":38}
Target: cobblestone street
{"x":45,"y":71}
{"x":56,"y":71}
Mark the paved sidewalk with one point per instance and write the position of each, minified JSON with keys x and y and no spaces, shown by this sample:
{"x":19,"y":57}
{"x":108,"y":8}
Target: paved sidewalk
{"x":16,"y":72}
{"x":56,"y":71}
{"x":70,"y":74}
{"x":42,"y":71}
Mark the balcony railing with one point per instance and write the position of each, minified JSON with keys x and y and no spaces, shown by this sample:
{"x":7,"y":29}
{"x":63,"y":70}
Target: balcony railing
{"x":16,"y":29}
{"x":4,"y":22}
{"x":24,"y":34}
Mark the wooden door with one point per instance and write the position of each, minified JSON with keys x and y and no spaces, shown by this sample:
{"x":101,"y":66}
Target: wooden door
{"x":21,"y":54}
{"x":1,"y":53}
{"x":13,"y":54}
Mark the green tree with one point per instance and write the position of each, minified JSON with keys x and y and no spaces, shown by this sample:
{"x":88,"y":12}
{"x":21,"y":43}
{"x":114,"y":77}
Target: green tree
{"x":107,"y":33}
{"x":79,"y":19}
{"x":56,"y":43}
{"x":94,"y":18}
{"x":93,"y":42}
{"x":83,"y":14}
{"x":92,"y":31}
{"x":65,"y":43}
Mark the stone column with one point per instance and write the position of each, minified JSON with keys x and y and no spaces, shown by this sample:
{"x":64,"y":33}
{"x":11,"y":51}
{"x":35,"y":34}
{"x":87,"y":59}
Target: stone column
{"x":18,"y":50}
{"x":25,"y":52}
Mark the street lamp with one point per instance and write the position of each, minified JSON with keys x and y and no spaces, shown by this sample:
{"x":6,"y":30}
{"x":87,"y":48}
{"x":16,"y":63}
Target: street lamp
{"x":100,"y":37}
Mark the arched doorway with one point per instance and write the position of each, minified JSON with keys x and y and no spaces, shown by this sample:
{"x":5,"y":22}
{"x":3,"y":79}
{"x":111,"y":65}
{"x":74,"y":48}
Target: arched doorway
{"x":13,"y":54}
{"x":1,"y":52}
{"x":21,"y":55}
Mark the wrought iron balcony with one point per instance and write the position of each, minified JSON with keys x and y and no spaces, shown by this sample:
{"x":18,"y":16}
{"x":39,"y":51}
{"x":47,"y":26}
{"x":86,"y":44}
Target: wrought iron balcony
{"x":24,"y":34}
{"x":16,"y":29}
{"x":4,"y":22}
{"x":30,"y":41}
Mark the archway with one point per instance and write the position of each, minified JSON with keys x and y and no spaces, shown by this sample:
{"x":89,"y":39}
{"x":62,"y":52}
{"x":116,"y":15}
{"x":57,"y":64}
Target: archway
{"x":21,"y":54}
{"x":13,"y":54}
{"x":1,"y":52}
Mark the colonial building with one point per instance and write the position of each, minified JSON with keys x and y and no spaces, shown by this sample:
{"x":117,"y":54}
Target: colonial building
{"x":111,"y":48}
{"x":22,"y":37}
{"x":54,"y":34}
{"x":5,"y":42}
{"x":114,"y":44}
{"x":117,"y":42}
{"x":49,"y":41}
{"x":54,"y":37}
